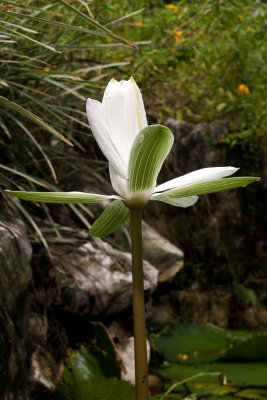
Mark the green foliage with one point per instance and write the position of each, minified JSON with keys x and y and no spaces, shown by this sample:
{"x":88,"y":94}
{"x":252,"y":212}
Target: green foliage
{"x":204,"y":60}
{"x":215,"y":185}
{"x":195,"y":351}
{"x":84,"y":379}
{"x":192,"y":344}
{"x":96,"y":388}
{"x":148,"y":153}
{"x":59,"y":197}
{"x":114,"y":215}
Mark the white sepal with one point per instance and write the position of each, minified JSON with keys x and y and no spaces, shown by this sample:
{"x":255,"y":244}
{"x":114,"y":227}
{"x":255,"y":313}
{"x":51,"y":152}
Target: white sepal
{"x":200,"y":175}
{"x":181,"y":202}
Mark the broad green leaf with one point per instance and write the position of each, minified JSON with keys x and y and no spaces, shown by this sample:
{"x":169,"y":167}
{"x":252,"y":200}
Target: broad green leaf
{"x":253,"y":393}
{"x":105,"y":352}
{"x":245,"y":374}
{"x":176,"y":371}
{"x":149,"y":150}
{"x":16,"y":107}
{"x":84,"y":379}
{"x":83,"y":364}
{"x":96,"y":388}
{"x":216,"y":185}
{"x":111,"y":219}
{"x":60,"y":197}
{"x":253,"y":349}
{"x":192,"y":343}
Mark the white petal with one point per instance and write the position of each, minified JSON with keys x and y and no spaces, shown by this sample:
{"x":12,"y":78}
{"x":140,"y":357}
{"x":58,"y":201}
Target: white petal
{"x":97,"y":121}
{"x":124,"y":114}
{"x":119,"y":183}
{"x":181,"y":202}
{"x":200,"y":175}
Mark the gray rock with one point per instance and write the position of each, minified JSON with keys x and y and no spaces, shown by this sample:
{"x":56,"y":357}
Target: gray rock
{"x":15,"y":276}
{"x":94,"y":279}
{"x":188,"y":306}
{"x":44,"y":373}
{"x":161,"y":253}
{"x":125,"y":350}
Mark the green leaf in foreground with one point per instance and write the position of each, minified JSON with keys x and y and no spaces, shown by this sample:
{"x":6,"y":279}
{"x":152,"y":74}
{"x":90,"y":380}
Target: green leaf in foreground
{"x":216,"y":185}
{"x":253,"y":349}
{"x":96,"y":388}
{"x":111,"y":219}
{"x":60,"y":197}
{"x":192,"y":343}
{"x":245,"y":374}
{"x":28,"y":114}
{"x":148,"y":152}
{"x":84,"y":380}
{"x":237,"y":375}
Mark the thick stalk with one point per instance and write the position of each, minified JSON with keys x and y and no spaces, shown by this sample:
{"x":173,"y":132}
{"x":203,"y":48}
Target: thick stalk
{"x":140,"y":350}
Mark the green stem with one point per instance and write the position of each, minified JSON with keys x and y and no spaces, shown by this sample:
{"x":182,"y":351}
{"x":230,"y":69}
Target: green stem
{"x":140,"y":350}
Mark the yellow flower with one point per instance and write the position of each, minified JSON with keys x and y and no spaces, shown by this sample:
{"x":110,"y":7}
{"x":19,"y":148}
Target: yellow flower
{"x":243,"y":89}
{"x":139,"y":23}
{"x":182,"y":356}
{"x":178,"y":36}
{"x":172,"y":7}
{"x":240,"y":17}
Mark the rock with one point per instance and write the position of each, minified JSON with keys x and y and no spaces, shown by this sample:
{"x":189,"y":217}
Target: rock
{"x":50,"y":344}
{"x":161,"y":253}
{"x":188,"y":306}
{"x":263,"y":317}
{"x":125,"y":350}
{"x":15,"y":277}
{"x":192,"y":149}
{"x":252,"y":318}
{"x":44,"y":374}
{"x":161,"y":311}
{"x":94,"y":279}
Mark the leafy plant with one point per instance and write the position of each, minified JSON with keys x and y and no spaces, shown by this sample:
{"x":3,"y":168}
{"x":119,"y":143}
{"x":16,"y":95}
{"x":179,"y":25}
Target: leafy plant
{"x":193,"y":350}
{"x":83,"y":379}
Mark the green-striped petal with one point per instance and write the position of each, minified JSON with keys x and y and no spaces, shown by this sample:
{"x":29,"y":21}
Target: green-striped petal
{"x":111,"y":219}
{"x":61,"y":197}
{"x":216,"y":185}
{"x":148,"y":152}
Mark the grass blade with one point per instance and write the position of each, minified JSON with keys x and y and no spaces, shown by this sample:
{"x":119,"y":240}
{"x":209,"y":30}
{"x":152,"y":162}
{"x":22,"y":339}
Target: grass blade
{"x":28,"y":114}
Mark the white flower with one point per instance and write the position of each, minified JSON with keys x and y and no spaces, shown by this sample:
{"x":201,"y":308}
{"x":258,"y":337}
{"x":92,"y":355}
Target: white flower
{"x":135,"y":152}
{"x":115,"y":123}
